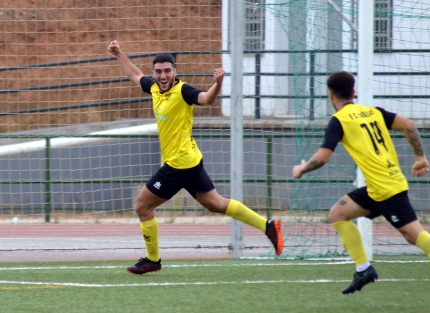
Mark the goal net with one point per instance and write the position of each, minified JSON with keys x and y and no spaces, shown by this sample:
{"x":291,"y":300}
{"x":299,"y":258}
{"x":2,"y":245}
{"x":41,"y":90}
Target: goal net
{"x":79,"y":139}
{"x":321,"y":37}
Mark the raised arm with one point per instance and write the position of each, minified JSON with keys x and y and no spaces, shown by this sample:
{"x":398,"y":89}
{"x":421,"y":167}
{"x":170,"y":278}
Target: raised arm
{"x":421,"y":165}
{"x":130,"y":70}
{"x":208,"y":97}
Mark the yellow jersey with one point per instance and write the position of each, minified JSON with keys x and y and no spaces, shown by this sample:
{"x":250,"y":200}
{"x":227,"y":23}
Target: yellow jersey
{"x":367,"y":140}
{"x":174,"y":117}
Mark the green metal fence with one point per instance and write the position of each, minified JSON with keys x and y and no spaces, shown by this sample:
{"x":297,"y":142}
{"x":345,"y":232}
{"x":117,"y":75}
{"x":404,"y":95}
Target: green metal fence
{"x":269,"y":180}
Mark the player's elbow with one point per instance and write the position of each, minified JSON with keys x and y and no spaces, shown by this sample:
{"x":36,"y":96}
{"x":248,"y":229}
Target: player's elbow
{"x":402,"y":123}
{"x":323,"y":160}
{"x":135,"y":79}
{"x":323,"y":156}
{"x":205,"y":99}
{"x":409,"y":125}
{"x":205,"y":102}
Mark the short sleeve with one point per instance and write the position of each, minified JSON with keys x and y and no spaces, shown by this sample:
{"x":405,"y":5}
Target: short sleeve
{"x":190,"y":94}
{"x":146,"y":84}
{"x":388,"y":117}
{"x":333,"y":134}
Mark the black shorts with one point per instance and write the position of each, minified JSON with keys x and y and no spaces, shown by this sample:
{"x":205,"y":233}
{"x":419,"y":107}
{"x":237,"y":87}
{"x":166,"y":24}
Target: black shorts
{"x":397,"y":209}
{"x":167,"y":181}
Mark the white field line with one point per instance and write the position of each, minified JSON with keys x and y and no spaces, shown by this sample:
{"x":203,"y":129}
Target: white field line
{"x":300,"y":281}
{"x":311,"y":263}
{"x":245,"y":282}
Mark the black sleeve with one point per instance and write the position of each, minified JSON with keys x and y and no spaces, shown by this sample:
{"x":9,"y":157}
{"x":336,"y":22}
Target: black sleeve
{"x":333,"y":134}
{"x":146,"y":84}
{"x":388,"y":117}
{"x":190,"y":94}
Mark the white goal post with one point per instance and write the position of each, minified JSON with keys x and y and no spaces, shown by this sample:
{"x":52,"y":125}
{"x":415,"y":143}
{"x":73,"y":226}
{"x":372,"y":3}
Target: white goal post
{"x":365,"y":94}
{"x":365,"y":89}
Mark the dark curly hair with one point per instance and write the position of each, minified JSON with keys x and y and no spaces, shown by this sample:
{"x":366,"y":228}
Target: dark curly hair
{"x":341,"y":84}
{"x":164,"y":57}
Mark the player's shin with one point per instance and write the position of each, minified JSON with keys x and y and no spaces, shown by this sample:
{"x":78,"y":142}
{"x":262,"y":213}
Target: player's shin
{"x":244,"y":214}
{"x":351,"y":240}
{"x":150,"y":235}
{"x":423,"y":242}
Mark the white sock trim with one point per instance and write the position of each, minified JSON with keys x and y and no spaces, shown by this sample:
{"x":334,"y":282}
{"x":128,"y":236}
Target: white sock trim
{"x":362,"y":267}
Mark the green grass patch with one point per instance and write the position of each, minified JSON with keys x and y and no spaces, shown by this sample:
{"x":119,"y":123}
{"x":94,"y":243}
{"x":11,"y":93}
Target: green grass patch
{"x":247,"y":285}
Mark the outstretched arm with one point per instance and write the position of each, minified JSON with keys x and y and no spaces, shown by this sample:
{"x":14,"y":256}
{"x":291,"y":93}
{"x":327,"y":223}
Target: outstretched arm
{"x":421,"y":165}
{"x":208,"y":97}
{"x":131,"y":70}
{"x":321,"y":157}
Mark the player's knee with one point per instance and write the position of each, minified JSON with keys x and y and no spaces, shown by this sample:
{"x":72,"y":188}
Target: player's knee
{"x":411,"y":232}
{"x":141,"y":209}
{"x":335,"y":215}
{"x":216,"y":207}
{"x":411,"y":238}
{"x":213,"y":202}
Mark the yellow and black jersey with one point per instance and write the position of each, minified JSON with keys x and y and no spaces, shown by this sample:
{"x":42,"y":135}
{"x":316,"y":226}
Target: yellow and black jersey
{"x":363,"y":131}
{"x":173,"y":112}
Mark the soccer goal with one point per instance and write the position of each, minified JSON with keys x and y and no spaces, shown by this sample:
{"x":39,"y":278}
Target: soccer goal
{"x":78,"y":139}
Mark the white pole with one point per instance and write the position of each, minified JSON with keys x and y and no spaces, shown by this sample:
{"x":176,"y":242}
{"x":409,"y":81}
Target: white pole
{"x":365,"y":94}
{"x":39,"y":145}
{"x":237,"y":22}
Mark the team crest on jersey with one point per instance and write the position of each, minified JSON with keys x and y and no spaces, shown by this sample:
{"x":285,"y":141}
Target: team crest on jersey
{"x":168,"y":95}
{"x":389,"y":164}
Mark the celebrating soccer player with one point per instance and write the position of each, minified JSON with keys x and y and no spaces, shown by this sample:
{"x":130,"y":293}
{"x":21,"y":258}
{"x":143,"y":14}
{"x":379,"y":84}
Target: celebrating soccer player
{"x":363,"y":131}
{"x":182,"y":161}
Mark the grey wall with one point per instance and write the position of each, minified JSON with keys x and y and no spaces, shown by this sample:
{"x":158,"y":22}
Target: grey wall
{"x":138,"y":159}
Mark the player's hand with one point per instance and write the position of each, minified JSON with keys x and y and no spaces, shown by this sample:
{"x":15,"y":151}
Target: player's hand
{"x":298,"y":169}
{"x":420,"y":167}
{"x":219,"y":75}
{"x":114,"y":47}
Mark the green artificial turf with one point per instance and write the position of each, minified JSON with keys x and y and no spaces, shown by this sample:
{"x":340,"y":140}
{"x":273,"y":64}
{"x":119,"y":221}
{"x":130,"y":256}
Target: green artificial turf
{"x":246,"y":285}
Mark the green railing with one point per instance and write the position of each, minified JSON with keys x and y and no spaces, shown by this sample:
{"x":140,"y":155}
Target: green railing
{"x":268,"y":180}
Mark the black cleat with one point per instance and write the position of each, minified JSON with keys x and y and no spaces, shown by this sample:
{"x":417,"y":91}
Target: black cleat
{"x":361,"y":279}
{"x":274,"y":233}
{"x":144,"y":266}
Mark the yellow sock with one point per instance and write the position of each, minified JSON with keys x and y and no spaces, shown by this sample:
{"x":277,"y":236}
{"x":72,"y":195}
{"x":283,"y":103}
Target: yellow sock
{"x":423,"y":242}
{"x":351,"y":240}
{"x":244,"y":214}
{"x":150,"y":235}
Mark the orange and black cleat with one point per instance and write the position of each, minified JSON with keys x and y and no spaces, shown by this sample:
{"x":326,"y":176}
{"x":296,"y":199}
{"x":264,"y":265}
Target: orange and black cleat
{"x":274,"y":233}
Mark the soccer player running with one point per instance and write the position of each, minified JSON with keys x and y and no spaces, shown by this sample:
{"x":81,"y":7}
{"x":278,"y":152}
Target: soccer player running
{"x":363,"y":131}
{"x":182,"y":161}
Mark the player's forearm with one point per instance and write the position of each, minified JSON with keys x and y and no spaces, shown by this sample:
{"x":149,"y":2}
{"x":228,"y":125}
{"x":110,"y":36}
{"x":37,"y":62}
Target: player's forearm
{"x":414,"y":139}
{"x":210,"y":96}
{"x":129,"y":69}
{"x":313,"y":164}
{"x":213,"y":92}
